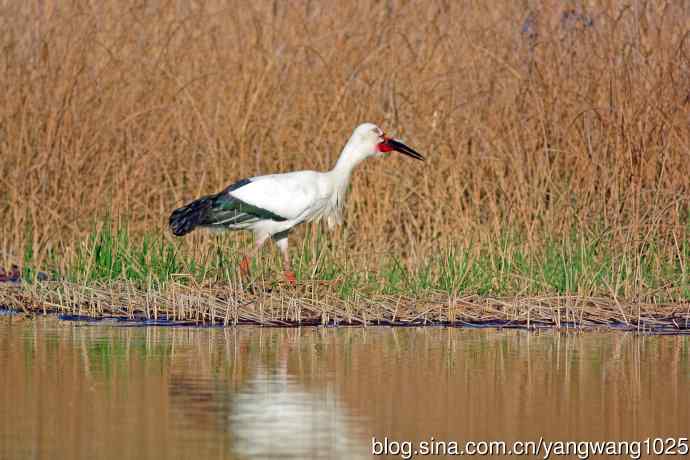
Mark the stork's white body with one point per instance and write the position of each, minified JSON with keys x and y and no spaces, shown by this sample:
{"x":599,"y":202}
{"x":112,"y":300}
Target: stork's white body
{"x":301,"y":196}
{"x":272,"y":205}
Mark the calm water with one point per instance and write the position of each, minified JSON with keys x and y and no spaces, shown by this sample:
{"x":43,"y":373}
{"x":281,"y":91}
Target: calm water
{"x":82,"y":391}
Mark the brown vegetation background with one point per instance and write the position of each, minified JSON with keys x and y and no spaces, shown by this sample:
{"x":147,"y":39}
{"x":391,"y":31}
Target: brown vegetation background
{"x":536,"y":117}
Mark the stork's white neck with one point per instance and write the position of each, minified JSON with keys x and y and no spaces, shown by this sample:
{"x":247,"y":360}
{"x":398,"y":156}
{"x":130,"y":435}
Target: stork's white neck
{"x":339,"y":179}
{"x":350,"y":157}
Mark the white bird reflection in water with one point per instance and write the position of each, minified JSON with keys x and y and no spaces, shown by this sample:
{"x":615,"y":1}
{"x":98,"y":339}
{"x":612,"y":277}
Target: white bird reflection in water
{"x":274,"y":416}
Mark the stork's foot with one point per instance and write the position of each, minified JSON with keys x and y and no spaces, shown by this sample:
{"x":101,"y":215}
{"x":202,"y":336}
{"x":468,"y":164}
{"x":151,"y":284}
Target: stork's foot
{"x":290,"y":277}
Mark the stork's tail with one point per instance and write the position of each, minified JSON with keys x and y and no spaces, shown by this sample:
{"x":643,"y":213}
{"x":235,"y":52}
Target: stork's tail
{"x":185,"y":219}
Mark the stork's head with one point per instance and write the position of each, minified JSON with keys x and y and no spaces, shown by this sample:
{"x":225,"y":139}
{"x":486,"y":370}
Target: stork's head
{"x":372,"y":141}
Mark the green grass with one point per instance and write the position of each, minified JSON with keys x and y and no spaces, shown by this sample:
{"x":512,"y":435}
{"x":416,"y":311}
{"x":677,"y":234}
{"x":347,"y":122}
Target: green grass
{"x":575,"y":265}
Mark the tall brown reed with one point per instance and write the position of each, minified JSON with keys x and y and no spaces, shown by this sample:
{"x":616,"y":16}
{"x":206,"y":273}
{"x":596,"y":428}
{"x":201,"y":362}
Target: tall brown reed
{"x":537,"y":118}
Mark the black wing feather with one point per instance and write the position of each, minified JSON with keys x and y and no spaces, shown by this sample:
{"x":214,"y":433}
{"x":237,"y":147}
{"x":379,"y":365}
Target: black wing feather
{"x":219,"y":210}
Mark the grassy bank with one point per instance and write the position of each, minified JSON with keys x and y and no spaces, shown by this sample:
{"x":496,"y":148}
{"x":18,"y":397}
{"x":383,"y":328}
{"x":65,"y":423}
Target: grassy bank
{"x":579,"y":264}
{"x":576,"y":282}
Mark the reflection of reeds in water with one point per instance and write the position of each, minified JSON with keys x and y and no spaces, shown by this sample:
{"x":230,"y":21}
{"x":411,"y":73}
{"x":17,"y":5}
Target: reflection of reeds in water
{"x":78,"y":391}
{"x":128,"y":109}
{"x":512,"y":385}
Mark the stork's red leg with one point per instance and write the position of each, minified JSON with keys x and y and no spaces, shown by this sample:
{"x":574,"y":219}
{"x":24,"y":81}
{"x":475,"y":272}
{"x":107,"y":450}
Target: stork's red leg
{"x":244,"y":266}
{"x":287,"y":268}
{"x":246,"y":261}
{"x":290,"y":277}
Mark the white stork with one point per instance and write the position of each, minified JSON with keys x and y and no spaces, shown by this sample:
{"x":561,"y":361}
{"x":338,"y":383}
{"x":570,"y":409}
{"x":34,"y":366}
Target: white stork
{"x":271,"y":206}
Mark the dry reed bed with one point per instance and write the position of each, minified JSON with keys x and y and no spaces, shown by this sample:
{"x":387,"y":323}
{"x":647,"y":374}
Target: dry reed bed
{"x":285,"y":307}
{"x":572,"y":115}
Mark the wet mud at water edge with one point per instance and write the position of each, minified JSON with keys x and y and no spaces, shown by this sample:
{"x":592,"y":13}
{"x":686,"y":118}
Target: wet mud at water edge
{"x":79,"y":390}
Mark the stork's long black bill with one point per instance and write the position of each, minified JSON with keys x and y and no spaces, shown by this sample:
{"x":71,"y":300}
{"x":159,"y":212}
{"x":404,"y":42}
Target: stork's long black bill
{"x":404,"y":149}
